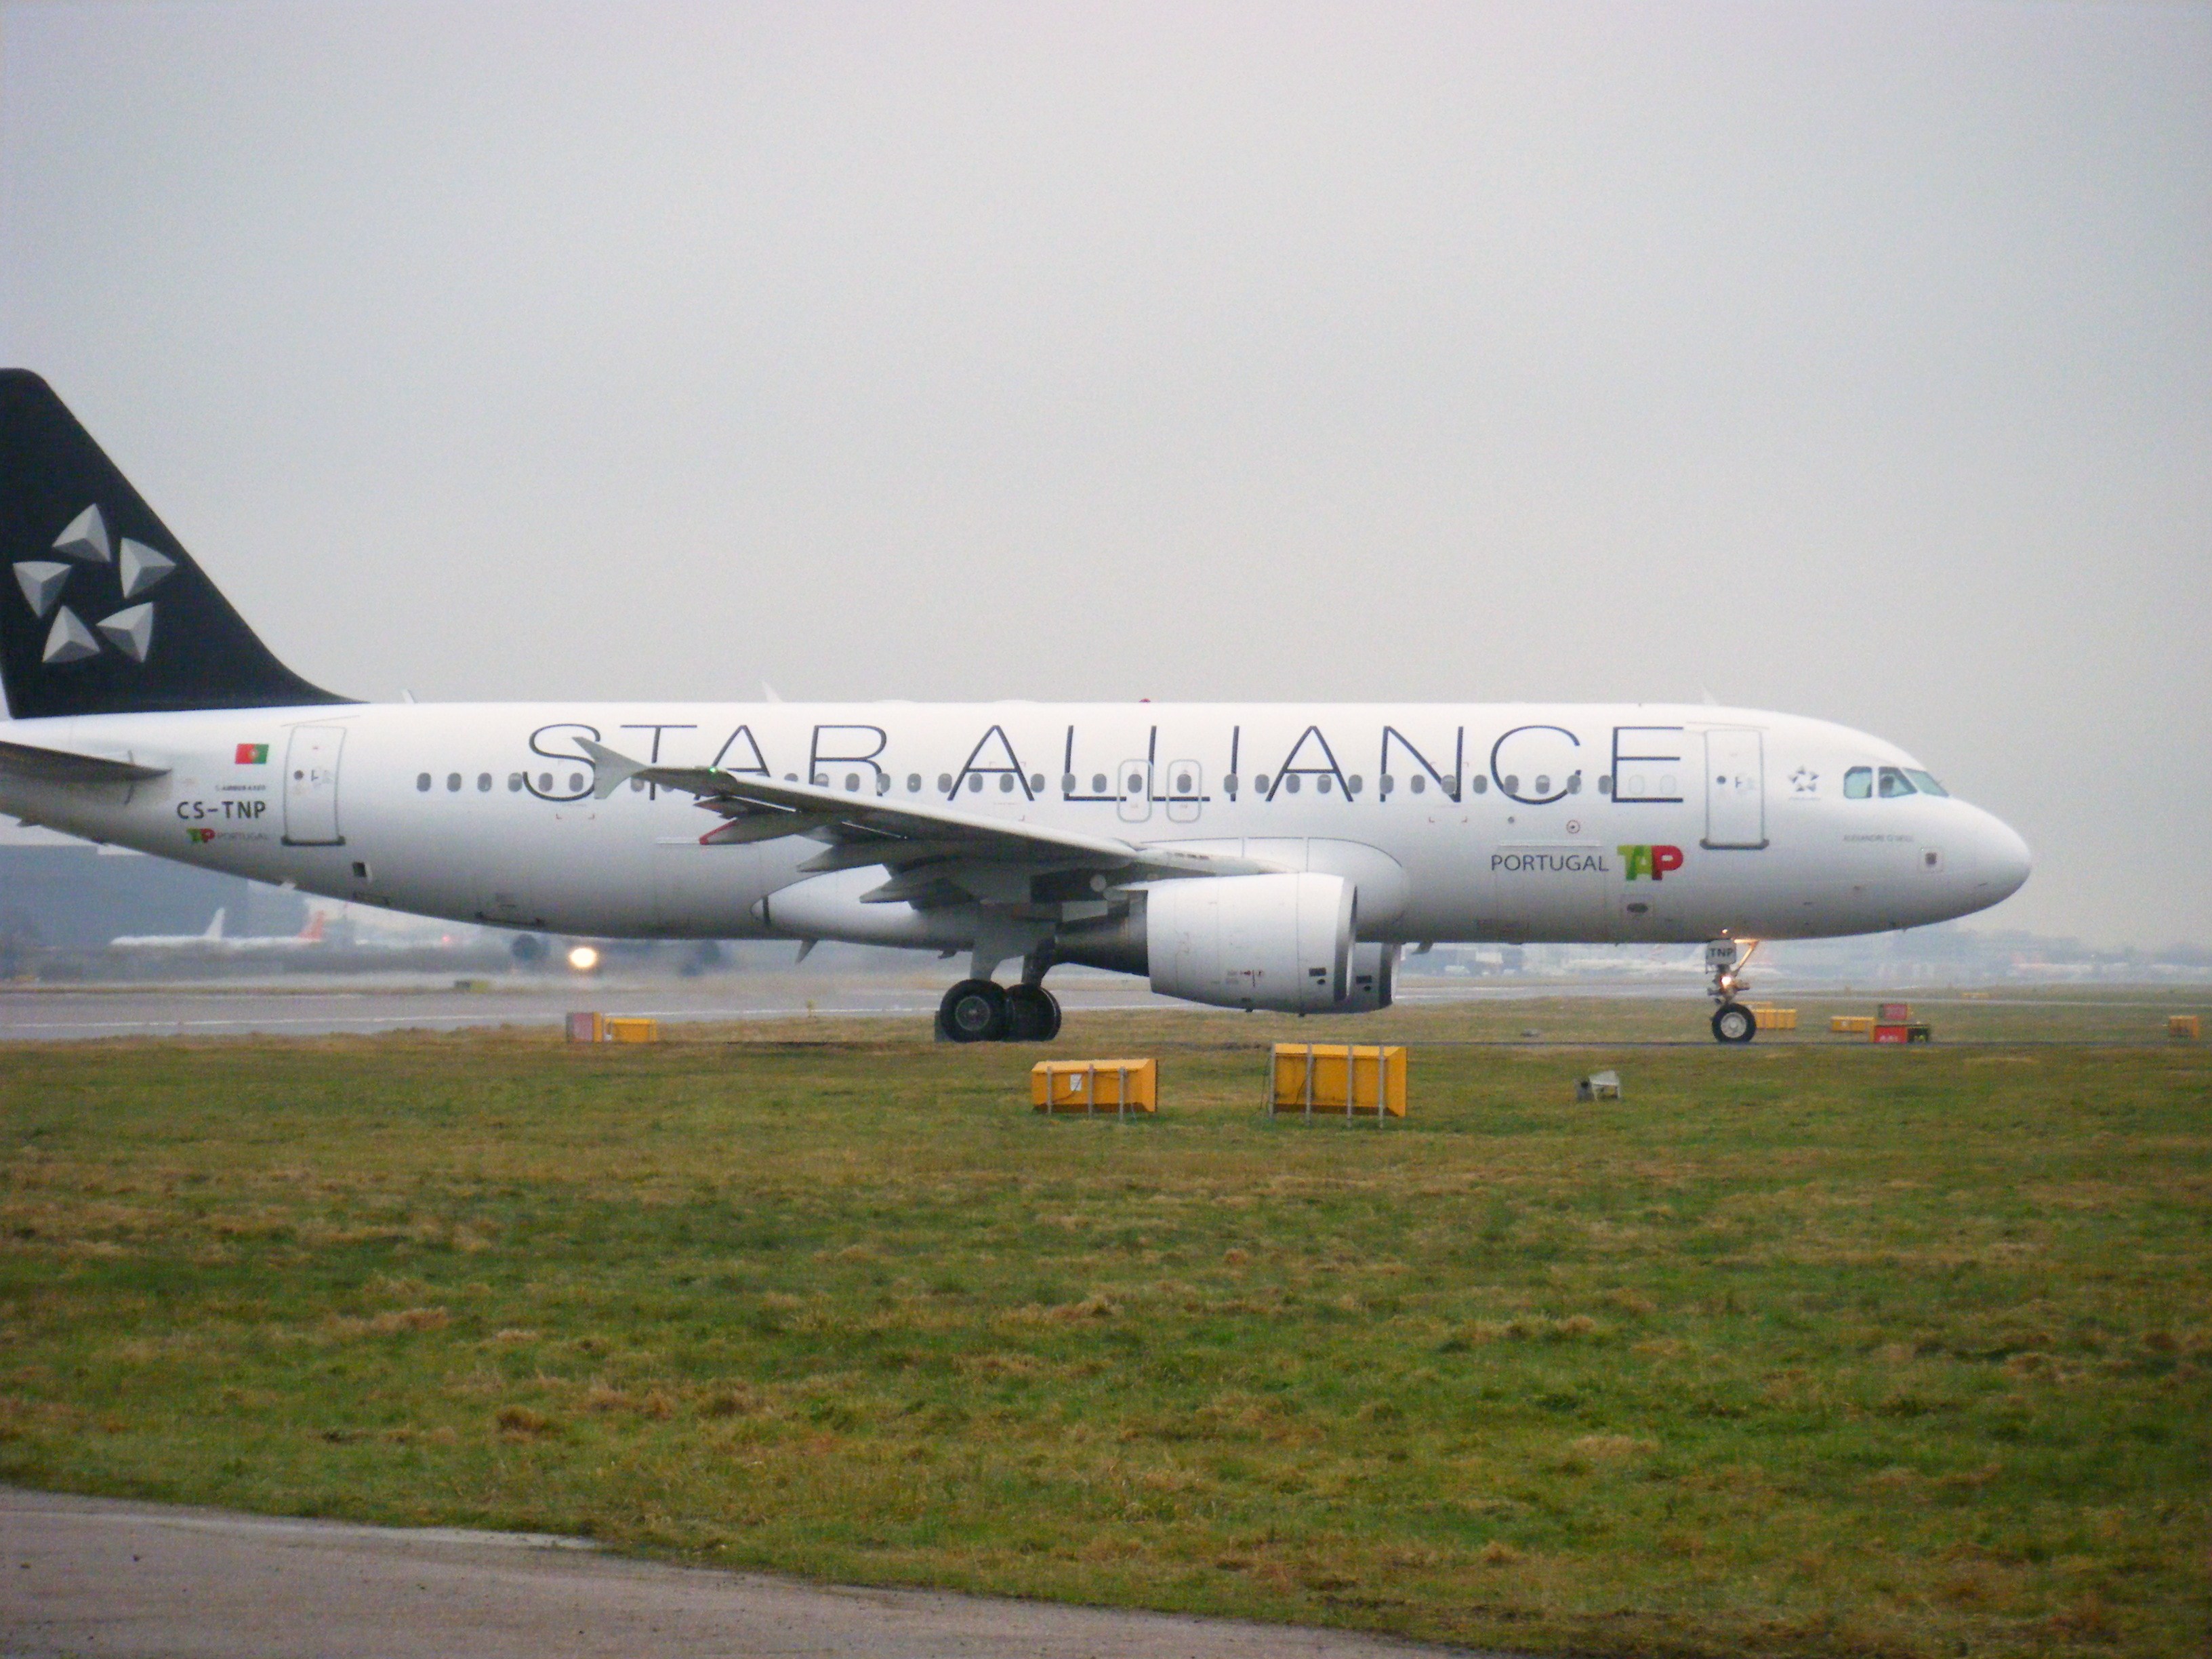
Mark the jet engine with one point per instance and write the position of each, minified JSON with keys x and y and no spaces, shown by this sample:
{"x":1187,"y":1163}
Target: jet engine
{"x":1374,"y":976}
{"x":1279,"y":942}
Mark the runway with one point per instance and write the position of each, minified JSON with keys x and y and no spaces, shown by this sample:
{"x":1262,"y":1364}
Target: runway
{"x":82,"y":1576}
{"x":360,"y":1004}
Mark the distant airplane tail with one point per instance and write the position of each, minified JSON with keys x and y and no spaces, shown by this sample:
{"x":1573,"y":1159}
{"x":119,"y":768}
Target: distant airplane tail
{"x":215,"y":928}
{"x":109,"y":615}
{"x":312,"y":933}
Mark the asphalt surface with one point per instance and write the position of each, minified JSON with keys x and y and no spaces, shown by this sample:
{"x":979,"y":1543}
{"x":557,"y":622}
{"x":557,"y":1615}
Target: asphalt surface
{"x":88,"y":1575}
{"x":302,"y":1007}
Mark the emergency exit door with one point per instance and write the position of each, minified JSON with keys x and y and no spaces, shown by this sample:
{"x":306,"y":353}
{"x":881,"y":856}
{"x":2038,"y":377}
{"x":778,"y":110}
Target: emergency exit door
{"x":311,"y":787}
{"x":1735,"y":789}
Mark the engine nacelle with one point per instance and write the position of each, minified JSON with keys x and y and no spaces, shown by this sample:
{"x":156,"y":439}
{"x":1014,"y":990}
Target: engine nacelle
{"x":1282,"y":942}
{"x":1374,"y":977}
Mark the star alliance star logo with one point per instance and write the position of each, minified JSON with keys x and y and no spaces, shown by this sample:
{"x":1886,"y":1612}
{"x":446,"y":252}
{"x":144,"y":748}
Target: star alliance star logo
{"x":138,"y":569}
{"x":1804,"y":782}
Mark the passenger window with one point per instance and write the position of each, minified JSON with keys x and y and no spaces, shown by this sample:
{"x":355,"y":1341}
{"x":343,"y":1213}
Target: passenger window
{"x":575,"y":782}
{"x":422,"y":782}
{"x":913,"y":783}
{"x":545,"y":783}
{"x":1259,"y":783}
{"x":1005,"y":783}
{"x":1894,"y":783}
{"x":974,"y":783}
{"x":1036,"y":783}
{"x":454,"y":782}
{"x":1183,"y":783}
{"x":1291,"y":783}
{"x":1351,"y":785}
{"x":483,"y":783}
{"x":1481,"y":782}
{"x":1420,"y":785}
{"x":1098,"y":783}
{"x":1926,"y":785}
{"x":1858,"y":783}
{"x":945,"y":783}
{"x":514,"y":783}
{"x":1321,"y":783}
{"x":851,"y":783}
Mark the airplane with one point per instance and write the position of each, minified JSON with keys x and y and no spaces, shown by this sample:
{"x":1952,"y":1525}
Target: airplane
{"x":1273,"y":856}
{"x":216,"y":942}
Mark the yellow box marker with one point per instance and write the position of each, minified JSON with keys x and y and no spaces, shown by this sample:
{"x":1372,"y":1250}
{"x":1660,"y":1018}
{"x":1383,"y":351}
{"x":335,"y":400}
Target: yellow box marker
{"x":1337,"y":1079}
{"x":1091,"y":1087}
{"x":1851,"y":1025}
{"x":587,"y":1028}
{"x":1772,"y":1019}
{"x":2184,"y":1026}
{"x":620,"y":1029}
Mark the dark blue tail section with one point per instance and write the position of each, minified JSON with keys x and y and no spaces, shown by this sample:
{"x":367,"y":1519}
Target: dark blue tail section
{"x":101,"y":613}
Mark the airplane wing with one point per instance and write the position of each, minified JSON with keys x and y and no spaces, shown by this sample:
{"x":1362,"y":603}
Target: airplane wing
{"x":935,"y":854}
{"x":60,"y":766}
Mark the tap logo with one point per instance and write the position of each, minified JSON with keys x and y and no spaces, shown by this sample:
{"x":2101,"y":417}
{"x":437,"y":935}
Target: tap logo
{"x":1652,"y":861}
{"x":251,"y":754}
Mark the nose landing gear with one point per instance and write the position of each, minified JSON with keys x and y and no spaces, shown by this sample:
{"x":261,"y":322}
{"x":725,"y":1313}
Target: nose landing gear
{"x":1732,"y":1021}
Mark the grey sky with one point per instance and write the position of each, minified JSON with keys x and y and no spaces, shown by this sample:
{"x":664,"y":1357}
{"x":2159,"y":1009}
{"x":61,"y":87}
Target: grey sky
{"x":1855,"y":360}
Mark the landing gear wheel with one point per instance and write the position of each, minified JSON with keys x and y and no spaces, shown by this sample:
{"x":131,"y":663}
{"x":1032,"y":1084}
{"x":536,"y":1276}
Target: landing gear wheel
{"x":1032,"y":1014}
{"x":973,"y":1011}
{"x":1734,"y":1022}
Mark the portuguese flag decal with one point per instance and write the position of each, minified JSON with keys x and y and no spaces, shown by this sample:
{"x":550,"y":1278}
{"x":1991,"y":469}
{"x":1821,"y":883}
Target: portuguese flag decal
{"x":251,"y":754}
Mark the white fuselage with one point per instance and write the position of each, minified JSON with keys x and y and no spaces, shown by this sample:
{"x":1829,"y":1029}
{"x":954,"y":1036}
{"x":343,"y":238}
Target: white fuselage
{"x":1491,"y":821}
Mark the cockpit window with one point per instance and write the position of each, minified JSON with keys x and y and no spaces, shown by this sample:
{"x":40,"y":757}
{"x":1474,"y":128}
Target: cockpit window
{"x":1858,"y":783}
{"x":1894,"y":783}
{"x":1927,"y":785}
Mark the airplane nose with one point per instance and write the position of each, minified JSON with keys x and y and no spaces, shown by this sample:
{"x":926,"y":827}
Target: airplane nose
{"x":2006,"y":858}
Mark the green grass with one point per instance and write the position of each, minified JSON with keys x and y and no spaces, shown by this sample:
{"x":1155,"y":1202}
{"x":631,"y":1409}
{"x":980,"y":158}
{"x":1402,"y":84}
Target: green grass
{"x":1804,"y":1348}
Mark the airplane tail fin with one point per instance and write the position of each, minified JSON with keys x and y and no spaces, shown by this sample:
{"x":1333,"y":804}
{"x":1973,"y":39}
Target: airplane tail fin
{"x":107,"y":614}
{"x":312,"y":933}
{"x":215,"y":928}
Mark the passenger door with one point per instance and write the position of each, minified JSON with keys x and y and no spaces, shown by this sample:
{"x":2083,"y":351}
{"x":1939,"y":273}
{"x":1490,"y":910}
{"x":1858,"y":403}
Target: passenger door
{"x":311,"y":787}
{"x":1735,"y":789}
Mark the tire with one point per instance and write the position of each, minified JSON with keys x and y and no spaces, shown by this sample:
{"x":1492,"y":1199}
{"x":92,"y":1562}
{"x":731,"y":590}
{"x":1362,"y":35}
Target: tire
{"x":1032,"y":1014}
{"x":973,"y":1011}
{"x":1734,"y":1022}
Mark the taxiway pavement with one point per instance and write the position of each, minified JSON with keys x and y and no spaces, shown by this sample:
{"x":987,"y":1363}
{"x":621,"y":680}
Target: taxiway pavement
{"x":84,"y":1576}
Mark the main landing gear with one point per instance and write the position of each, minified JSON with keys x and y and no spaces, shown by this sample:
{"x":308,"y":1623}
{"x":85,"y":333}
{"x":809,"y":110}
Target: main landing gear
{"x":983,"y":1011}
{"x":1732,"y":1021}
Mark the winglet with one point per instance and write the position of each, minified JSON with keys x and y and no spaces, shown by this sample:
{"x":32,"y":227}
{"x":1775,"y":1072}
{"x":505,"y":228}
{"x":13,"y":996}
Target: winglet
{"x":610,"y":770}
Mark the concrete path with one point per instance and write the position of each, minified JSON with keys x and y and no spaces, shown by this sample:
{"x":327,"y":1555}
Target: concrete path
{"x":88,"y":1575}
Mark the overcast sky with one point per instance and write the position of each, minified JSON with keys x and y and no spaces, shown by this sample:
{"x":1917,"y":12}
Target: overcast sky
{"x":1854,"y":361}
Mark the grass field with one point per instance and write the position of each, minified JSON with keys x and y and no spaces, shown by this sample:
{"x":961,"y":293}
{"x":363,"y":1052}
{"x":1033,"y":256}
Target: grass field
{"x":1803,"y":1348}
